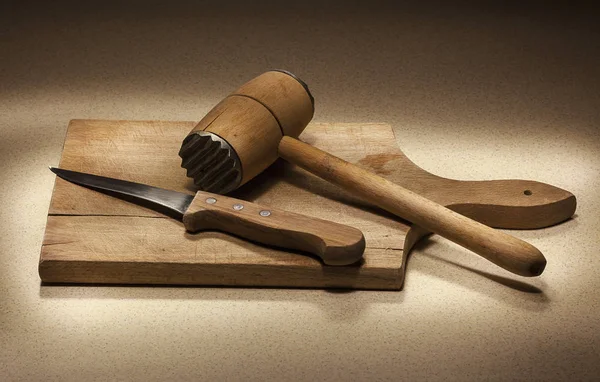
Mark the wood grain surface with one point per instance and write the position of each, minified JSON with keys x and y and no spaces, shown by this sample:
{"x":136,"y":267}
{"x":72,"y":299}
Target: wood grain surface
{"x":94,"y":238}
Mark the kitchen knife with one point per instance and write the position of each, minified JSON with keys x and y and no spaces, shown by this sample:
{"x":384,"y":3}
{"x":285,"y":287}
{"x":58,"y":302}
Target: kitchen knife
{"x":335,"y":244}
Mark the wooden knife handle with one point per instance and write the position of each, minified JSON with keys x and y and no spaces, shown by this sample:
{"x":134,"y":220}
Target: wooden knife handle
{"x":502,"y":249}
{"x":335,"y":244}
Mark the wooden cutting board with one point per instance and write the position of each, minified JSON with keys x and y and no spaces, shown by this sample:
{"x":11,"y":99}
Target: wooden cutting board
{"x":94,"y":238}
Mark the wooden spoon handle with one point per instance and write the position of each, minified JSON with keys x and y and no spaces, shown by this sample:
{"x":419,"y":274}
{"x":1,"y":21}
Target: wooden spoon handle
{"x":502,"y":249}
{"x":335,"y":244}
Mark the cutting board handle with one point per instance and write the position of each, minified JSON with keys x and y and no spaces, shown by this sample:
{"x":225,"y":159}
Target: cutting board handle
{"x":335,"y":244}
{"x":502,"y":249}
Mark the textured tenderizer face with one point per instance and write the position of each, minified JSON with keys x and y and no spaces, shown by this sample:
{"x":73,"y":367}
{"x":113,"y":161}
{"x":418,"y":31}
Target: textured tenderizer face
{"x":211,"y":162}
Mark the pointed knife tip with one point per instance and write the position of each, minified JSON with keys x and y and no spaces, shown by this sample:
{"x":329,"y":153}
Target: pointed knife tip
{"x":57,"y":170}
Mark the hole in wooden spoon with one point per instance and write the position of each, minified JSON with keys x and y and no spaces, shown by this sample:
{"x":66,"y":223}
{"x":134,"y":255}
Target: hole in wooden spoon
{"x":527,"y":192}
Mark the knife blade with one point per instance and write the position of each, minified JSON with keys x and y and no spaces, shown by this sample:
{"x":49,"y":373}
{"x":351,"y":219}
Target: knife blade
{"x":334,"y":243}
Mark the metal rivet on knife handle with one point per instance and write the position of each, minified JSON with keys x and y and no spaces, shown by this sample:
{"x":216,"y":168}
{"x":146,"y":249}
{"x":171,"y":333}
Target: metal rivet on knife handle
{"x":211,"y":200}
{"x":238,"y":207}
{"x":265,"y":213}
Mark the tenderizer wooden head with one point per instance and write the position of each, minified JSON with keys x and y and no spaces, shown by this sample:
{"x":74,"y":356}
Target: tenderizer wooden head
{"x":239,"y":138}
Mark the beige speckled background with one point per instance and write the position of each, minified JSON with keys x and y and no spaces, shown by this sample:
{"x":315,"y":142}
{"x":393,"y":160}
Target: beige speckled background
{"x":473,"y":92}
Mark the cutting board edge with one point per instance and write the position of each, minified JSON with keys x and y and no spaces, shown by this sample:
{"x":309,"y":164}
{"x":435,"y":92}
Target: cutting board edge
{"x":210,"y":275}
